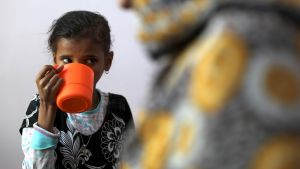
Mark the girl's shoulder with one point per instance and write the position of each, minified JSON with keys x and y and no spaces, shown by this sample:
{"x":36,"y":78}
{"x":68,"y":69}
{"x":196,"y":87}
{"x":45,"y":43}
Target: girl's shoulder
{"x":117,"y":101}
{"x":118,"y":105}
{"x":116,"y":97}
{"x":113,"y":98}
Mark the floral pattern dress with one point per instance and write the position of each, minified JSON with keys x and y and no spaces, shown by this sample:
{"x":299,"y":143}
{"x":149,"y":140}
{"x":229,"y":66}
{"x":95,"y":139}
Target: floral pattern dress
{"x":76,"y":147}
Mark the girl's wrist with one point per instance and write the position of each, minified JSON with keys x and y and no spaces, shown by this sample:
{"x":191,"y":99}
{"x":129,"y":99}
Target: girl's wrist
{"x":46,"y":117}
{"x":46,"y":126}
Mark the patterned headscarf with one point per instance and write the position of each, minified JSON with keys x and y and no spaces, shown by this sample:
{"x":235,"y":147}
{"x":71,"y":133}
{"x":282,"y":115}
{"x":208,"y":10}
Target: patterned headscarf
{"x":168,"y":25}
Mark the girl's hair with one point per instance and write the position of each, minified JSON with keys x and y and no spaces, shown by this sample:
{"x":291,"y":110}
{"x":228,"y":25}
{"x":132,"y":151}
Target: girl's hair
{"x":80,"y":24}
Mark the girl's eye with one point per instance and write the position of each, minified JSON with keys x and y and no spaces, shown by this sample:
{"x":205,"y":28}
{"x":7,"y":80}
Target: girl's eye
{"x":91,"y":61}
{"x":67,"y":60}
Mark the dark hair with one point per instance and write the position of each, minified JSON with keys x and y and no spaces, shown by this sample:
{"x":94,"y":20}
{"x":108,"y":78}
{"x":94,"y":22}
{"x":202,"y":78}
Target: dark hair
{"x":80,"y":24}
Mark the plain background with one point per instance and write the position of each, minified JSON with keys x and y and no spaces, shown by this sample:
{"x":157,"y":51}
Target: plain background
{"x":23,"y":50}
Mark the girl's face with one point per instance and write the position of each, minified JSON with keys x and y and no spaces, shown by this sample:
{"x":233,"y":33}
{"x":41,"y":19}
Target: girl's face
{"x":84,"y":51}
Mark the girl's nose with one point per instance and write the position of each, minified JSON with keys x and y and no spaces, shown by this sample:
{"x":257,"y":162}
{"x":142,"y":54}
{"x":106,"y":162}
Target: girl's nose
{"x":77,"y":61}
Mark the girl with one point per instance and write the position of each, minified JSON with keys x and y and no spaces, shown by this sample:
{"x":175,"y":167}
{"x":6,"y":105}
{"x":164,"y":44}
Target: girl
{"x":92,"y":139}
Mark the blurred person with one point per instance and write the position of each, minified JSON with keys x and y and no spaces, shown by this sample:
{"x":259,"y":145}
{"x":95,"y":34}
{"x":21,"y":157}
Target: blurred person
{"x":227,"y":94}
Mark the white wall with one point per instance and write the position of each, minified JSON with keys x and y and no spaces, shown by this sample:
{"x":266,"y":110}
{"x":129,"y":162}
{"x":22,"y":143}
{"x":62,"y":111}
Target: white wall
{"x":23,"y":50}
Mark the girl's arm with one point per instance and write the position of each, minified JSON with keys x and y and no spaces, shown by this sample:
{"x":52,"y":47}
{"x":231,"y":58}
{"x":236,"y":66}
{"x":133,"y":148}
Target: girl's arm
{"x":39,"y":137}
{"x":48,"y":83}
{"x":37,"y":157}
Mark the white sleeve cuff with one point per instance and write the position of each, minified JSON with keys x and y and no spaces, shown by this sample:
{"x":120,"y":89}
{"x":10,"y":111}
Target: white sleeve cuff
{"x":54,"y":135}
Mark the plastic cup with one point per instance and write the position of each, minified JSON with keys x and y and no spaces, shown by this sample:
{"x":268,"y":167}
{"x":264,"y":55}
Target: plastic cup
{"x":76,"y":92}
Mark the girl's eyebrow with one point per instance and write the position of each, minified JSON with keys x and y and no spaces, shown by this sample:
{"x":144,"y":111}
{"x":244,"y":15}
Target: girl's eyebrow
{"x":90,"y":56}
{"x":65,"y":56}
{"x":84,"y":56}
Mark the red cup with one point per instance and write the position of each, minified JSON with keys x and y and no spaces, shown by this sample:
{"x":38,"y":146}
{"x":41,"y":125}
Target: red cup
{"x":76,"y":92}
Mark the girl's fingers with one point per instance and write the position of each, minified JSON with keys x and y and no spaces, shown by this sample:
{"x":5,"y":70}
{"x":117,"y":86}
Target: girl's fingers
{"x":48,"y":83}
{"x":59,"y":69}
{"x":47,"y":73}
{"x":52,"y":82}
{"x":43,"y":72}
{"x":57,"y":85}
{"x":45,"y":80}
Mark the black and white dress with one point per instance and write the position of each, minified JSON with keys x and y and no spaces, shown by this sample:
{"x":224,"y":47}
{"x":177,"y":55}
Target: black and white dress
{"x":92,"y":140}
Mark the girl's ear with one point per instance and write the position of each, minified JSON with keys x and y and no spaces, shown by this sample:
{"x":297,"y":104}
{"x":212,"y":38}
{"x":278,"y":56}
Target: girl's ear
{"x":108,"y":60}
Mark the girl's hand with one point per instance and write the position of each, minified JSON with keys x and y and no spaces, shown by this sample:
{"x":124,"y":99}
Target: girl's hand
{"x":48,"y":83}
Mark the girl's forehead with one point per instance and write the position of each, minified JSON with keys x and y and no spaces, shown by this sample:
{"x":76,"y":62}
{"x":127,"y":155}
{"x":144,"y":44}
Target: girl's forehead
{"x":75,"y":44}
{"x":78,"y":48}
